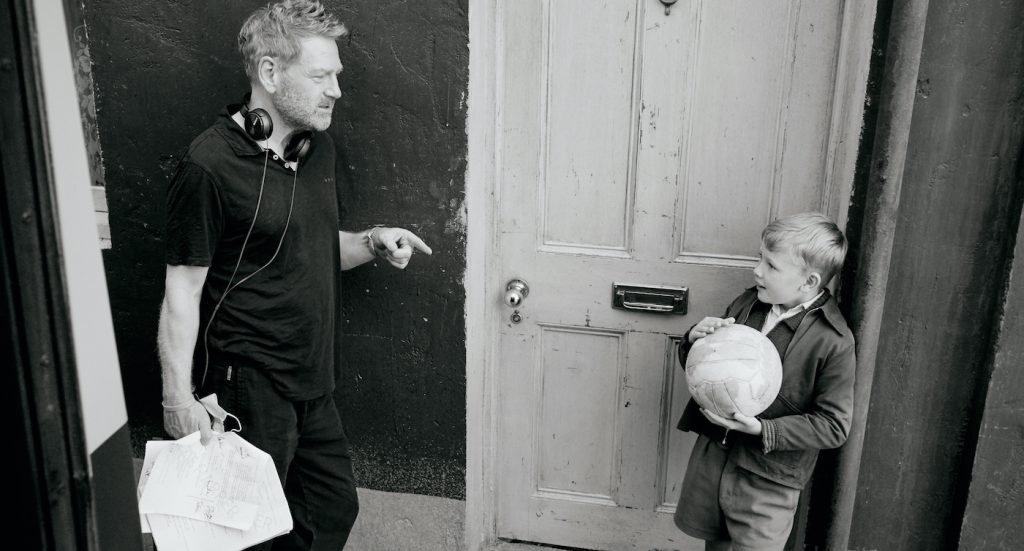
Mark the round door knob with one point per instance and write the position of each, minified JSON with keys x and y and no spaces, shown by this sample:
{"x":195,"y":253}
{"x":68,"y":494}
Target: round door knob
{"x":516,"y":292}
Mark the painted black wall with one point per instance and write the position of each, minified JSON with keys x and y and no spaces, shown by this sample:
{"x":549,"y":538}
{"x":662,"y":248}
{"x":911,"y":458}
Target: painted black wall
{"x":163,"y":69}
{"x":961,"y":200}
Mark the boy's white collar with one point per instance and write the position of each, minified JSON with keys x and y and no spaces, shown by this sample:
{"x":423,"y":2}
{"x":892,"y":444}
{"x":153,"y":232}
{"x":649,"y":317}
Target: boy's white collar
{"x":779,"y":309}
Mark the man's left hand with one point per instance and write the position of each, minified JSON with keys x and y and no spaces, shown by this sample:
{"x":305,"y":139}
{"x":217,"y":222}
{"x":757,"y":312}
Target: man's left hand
{"x":739,"y":422}
{"x":396,"y":245}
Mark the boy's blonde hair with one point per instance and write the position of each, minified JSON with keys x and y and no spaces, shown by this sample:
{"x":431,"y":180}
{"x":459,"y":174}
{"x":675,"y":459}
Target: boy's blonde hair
{"x":813,"y":238}
{"x":276,"y":29}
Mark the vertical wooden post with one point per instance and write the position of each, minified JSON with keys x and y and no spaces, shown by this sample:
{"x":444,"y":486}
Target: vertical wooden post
{"x":898,"y":86}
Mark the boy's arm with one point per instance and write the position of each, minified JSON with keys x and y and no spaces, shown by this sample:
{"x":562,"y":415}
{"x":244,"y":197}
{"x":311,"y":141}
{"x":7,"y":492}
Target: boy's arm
{"x":827,"y":424}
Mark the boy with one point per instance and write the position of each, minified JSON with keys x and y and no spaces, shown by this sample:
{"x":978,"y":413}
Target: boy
{"x":745,"y":474}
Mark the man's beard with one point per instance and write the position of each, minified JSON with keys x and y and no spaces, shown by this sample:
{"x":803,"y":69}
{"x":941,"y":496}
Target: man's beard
{"x":299,"y":112}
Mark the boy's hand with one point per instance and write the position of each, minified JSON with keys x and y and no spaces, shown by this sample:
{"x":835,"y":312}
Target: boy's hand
{"x":707,"y":326}
{"x":739,"y":422}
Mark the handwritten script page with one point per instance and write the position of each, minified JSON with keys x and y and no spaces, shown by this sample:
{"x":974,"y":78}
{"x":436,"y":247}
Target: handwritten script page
{"x":221,"y":497}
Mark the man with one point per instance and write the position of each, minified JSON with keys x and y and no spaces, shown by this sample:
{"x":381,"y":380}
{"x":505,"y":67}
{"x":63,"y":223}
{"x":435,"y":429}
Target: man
{"x":253,"y":260}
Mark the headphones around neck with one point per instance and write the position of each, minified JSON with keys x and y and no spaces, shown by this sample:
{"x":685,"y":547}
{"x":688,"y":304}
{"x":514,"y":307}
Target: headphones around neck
{"x":259,"y":126}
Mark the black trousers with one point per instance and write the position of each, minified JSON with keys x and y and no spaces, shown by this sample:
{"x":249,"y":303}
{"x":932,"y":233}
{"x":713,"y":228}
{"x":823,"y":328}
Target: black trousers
{"x":309,"y":448}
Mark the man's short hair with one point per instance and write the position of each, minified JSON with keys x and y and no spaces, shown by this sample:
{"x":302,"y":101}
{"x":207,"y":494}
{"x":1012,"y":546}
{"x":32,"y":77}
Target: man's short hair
{"x":275,"y":30}
{"x":813,"y":238}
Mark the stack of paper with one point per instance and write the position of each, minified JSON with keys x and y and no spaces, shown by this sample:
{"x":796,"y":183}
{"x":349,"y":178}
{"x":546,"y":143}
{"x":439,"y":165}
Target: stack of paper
{"x":224,"y":496}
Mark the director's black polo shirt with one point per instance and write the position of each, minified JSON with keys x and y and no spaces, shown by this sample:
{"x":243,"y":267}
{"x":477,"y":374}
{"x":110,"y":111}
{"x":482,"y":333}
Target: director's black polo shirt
{"x":282,"y":317}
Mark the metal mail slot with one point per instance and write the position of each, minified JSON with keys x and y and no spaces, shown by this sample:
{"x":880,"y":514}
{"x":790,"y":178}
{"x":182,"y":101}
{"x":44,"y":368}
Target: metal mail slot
{"x":656,"y":299}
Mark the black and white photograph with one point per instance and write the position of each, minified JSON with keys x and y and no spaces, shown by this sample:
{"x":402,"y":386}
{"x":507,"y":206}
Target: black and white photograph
{"x":513,"y":275}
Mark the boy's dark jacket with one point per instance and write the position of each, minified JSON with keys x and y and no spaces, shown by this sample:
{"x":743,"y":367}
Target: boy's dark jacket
{"x":815,"y":404}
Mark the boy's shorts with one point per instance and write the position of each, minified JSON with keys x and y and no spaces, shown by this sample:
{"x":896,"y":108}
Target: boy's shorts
{"x":722,"y":502}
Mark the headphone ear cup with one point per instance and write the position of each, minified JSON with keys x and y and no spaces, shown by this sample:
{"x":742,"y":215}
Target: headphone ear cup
{"x":258,"y":124}
{"x":298,"y":147}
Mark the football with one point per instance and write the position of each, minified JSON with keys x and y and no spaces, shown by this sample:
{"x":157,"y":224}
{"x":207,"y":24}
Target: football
{"x":734,"y":369}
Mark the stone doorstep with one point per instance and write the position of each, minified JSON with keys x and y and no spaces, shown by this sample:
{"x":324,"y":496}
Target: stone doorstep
{"x":508,"y":546}
{"x":404,"y":522}
{"x":408,"y":522}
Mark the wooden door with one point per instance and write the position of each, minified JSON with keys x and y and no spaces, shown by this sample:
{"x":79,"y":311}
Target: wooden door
{"x":634,"y":146}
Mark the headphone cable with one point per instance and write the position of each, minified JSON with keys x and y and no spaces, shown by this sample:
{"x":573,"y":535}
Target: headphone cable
{"x":230,"y":287}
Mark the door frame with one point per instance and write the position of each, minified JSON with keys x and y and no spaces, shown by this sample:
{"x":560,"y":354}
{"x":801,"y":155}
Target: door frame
{"x":62,"y":384}
{"x":483,"y":283}
{"x":481,"y":268}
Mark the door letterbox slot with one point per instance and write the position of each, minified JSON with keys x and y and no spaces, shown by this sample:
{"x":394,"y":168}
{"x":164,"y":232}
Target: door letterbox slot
{"x":654,"y":299}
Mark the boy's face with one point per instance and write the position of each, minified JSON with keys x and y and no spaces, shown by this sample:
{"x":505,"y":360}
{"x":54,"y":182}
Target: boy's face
{"x":782,"y":279}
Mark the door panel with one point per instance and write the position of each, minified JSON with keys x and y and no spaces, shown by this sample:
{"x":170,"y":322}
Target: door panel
{"x":637,"y":147}
{"x":588,"y":105}
{"x":571,"y":462}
